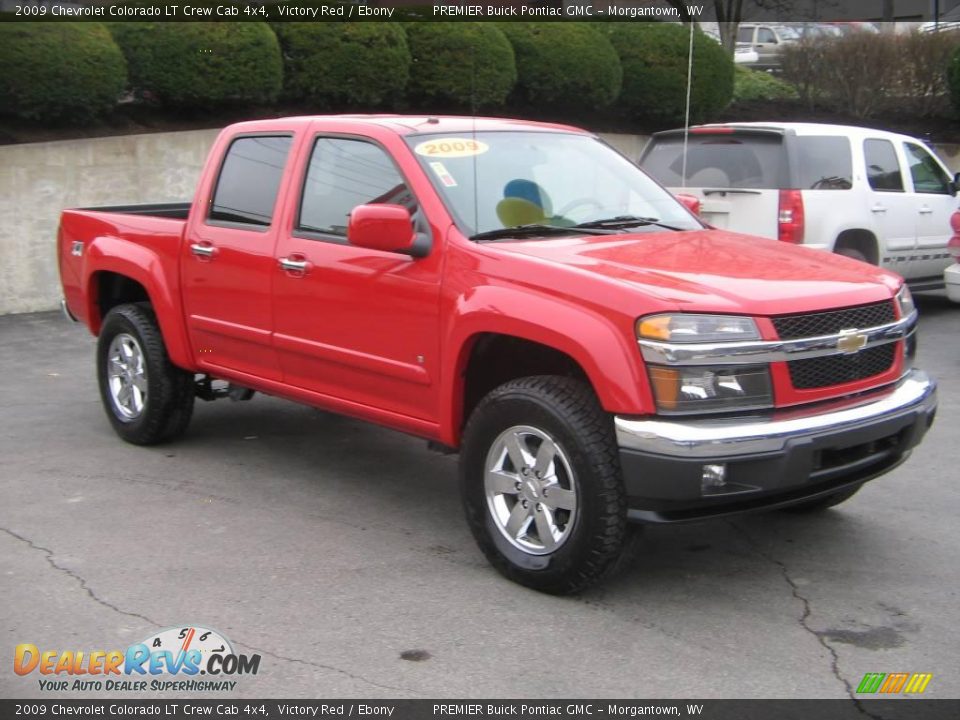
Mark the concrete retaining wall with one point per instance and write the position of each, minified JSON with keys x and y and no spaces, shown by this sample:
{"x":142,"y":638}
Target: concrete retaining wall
{"x":40,"y":179}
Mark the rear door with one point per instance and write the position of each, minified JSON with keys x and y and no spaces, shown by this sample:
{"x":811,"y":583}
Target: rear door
{"x":227,"y":261}
{"x":737,"y":175}
{"x":889,"y":204}
{"x":934,"y":202}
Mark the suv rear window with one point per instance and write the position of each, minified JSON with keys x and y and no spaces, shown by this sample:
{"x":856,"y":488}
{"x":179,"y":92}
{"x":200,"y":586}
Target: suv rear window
{"x":752,"y":162}
{"x":719,"y":161}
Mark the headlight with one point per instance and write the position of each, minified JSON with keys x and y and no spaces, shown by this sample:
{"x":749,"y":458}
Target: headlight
{"x":683,"y":328}
{"x":905,"y":302}
{"x":680,"y":390}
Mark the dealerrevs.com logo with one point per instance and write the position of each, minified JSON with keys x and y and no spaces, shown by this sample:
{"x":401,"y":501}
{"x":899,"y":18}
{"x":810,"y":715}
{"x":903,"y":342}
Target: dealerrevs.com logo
{"x":170,"y":660}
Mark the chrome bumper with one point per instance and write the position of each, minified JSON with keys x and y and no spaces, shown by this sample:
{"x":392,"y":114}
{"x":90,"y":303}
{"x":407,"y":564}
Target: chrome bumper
{"x":719,"y":438}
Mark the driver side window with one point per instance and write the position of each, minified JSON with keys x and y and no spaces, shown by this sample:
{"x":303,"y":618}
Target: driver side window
{"x":344,"y":173}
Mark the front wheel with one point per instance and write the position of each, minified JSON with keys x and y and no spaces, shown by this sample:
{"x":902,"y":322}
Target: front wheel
{"x":541,"y":484}
{"x":147,"y":399}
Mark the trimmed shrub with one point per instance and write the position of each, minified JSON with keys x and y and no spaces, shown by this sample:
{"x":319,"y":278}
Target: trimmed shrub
{"x":755,"y":85}
{"x":463,"y":65}
{"x":55,"y":71}
{"x":344,"y":63}
{"x":564,"y":65}
{"x":654,"y":59}
{"x":196,"y":65}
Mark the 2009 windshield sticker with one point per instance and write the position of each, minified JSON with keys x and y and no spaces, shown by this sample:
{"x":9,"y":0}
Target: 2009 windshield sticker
{"x":451,"y":147}
{"x":445,"y":177}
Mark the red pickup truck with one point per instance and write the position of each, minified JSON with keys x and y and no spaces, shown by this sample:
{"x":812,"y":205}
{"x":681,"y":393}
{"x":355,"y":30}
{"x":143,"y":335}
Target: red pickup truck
{"x":517,"y":292}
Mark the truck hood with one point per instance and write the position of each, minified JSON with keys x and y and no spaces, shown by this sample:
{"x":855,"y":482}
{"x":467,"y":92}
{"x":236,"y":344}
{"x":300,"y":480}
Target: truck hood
{"x":718,"y":271}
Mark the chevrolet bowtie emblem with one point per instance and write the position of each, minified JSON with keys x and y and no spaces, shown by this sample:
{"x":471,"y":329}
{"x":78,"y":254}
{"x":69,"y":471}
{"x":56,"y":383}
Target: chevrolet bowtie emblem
{"x":851,"y":341}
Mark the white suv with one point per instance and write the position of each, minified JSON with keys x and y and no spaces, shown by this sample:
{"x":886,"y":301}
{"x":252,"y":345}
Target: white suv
{"x":872,"y":195}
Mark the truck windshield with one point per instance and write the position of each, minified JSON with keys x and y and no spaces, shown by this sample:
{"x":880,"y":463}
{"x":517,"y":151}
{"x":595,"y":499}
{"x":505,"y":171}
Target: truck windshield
{"x":503,"y":179}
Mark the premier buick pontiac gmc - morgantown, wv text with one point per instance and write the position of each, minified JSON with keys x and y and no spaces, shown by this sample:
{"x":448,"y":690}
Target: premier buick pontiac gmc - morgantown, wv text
{"x":518,"y":292}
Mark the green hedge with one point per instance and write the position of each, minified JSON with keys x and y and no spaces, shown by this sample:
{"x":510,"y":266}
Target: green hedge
{"x":59,"y":71}
{"x":195,"y":65}
{"x":654,"y":59}
{"x":356,"y":64}
{"x":564,"y":65}
{"x":459,"y":65}
{"x":754,"y":85}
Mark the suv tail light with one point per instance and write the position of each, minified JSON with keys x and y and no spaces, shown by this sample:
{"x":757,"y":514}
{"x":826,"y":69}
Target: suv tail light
{"x":790,"y":217}
{"x":953,"y":247}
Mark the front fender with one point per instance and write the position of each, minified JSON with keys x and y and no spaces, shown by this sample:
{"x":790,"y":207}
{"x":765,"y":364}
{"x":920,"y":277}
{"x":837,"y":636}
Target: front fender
{"x":602,"y":346}
{"x":143,"y":265}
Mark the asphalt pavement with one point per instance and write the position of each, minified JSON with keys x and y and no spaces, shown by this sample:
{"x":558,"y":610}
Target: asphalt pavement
{"x":337,"y":551}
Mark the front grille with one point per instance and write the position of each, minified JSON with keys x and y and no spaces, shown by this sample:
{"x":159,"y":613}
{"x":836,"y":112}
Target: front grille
{"x":793,"y":327}
{"x":835,"y":369}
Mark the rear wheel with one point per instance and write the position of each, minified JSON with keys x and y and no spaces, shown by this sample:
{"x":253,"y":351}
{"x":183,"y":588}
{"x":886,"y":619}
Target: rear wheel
{"x":851,"y":253}
{"x":147,"y":399}
{"x":541,"y":484}
{"x":824,"y":502}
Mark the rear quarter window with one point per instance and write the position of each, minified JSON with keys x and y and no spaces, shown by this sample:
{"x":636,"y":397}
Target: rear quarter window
{"x":823,"y":163}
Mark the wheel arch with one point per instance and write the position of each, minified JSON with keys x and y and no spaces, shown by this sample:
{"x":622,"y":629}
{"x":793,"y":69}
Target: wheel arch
{"x":575,"y":343}
{"x":119,"y":271}
{"x":861,"y":239}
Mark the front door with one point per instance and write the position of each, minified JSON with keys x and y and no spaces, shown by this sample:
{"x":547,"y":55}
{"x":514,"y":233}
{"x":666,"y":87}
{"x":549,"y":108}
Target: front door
{"x":352,"y":323}
{"x":934,"y":203}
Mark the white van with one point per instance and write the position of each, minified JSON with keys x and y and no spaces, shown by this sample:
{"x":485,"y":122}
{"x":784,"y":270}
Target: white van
{"x":876,"y":196}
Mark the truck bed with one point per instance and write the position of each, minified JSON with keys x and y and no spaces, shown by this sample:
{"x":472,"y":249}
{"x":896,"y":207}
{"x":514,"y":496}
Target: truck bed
{"x":152,"y":232}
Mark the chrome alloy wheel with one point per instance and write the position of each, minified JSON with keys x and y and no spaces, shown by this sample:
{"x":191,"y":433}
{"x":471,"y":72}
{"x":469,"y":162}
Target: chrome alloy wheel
{"x":531,"y":490}
{"x":127,"y":377}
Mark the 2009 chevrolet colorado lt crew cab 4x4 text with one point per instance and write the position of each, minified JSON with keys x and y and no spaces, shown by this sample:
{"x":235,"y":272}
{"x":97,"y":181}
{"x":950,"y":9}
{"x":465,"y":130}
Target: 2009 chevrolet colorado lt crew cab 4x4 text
{"x":516,"y":291}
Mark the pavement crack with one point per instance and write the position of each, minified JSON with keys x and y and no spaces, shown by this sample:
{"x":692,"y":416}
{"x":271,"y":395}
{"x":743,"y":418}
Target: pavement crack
{"x":329,"y":668}
{"x":49,"y":554}
{"x":804,"y":619}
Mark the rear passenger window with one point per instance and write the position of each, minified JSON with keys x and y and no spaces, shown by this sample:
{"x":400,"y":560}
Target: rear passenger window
{"x":928,"y":176}
{"x":745,"y":35}
{"x":249,"y":180}
{"x":823,"y":163}
{"x":883,"y":168}
{"x":343,"y":174}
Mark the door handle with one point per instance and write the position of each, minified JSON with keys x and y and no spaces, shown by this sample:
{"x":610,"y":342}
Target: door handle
{"x":878,"y":209}
{"x":925,"y":210}
{"x":202,"y":250}
{"x":292,"y":265}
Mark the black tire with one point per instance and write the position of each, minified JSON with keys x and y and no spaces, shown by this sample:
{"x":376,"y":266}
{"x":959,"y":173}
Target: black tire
{"x":822,"y":503}
{"x":567,"y":412}
{"x":168,"y":404}
{"x":851,"y":253}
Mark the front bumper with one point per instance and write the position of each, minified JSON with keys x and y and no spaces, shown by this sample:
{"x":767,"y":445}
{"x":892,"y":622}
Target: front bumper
{"x":772,"y":460}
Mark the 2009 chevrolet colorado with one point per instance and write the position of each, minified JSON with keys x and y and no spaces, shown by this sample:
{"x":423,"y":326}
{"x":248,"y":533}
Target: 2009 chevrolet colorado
{"x":516,"y":291}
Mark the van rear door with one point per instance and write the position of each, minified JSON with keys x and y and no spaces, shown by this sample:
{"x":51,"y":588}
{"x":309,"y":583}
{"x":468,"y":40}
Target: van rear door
{"x":737,"y":174}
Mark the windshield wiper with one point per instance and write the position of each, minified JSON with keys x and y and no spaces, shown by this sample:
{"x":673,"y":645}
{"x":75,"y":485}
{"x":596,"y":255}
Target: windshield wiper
{"x":621,"y":222}
{"x":537,"y":229}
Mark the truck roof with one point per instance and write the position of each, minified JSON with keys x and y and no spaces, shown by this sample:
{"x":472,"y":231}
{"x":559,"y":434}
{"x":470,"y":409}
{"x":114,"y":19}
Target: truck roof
{"x":409,"y":124}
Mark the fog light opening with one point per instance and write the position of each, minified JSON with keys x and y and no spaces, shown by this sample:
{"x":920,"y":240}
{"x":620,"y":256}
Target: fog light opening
{"x":714,"y":478}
